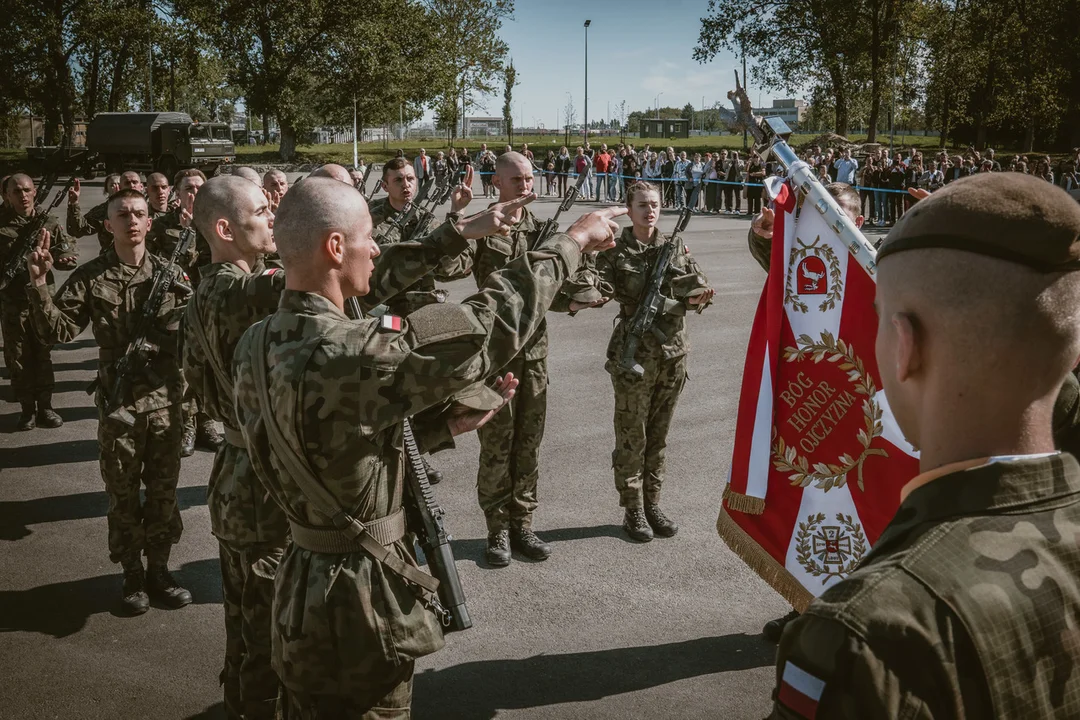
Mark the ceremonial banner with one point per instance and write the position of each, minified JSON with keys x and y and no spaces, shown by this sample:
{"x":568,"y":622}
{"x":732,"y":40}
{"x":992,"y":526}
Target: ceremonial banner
{"x":819,"y":460}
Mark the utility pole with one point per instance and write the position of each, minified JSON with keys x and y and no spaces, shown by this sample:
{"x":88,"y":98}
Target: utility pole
{"x":587,"y":23}
{"x":745,"y":85}
{"x":355,"y":159}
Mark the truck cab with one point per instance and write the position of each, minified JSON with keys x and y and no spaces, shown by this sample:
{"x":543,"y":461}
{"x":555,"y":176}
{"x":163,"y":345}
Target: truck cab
{"x":163,"y":142}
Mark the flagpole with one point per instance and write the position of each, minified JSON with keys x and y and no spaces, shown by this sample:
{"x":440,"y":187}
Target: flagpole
{"x":773,"y":133}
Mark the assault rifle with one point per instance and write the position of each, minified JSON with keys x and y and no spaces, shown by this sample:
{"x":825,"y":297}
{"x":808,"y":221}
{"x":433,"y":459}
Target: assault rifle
{"x":26,"y":240}
{"x":653,"y":303}
{"x":550,"y":226}
{"x":361,"y":184}
{"x":425,"y":518}
{"x":770,"y":135}
{"x":139,"y":350}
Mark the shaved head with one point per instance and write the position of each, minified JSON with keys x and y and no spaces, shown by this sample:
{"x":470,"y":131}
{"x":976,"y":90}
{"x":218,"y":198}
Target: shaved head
{"x":235,"y":218}
{"x":311,"y":211}
{"x":334,"y":172}
{"x":513,"y":176}
{"x":510,"y":161}
{"x":989,"y":337}
{"x":220,"y":198}
{"x":248,"y":174}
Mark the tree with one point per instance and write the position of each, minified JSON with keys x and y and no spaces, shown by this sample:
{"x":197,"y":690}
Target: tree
{"x":569,"y":116}
{"x":471,"y":53}
{"x":509,"y":81}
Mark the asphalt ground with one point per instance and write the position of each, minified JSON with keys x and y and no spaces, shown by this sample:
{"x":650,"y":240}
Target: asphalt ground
{"x":606,"y":628}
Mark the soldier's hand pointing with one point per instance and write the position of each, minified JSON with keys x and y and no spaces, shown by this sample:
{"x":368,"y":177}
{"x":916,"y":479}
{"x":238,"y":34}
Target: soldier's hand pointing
{"x":73,"y":192}
{"x":40,"y":261}
{"x":596,"y":231}
{"x":498,"y":219}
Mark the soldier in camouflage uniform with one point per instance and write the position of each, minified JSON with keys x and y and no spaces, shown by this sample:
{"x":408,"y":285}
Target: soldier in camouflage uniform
{"x":108,"y":294}
{"x":157,"y":195}
{"x":79,"y":225}
{"x":399,"y":181}
{"x":966,"y":605}
{"x":347,"y":627}
{"x":28,"y":359}
{"x":198,"y":430}
{"x":510,"y":443}
{"x":644,"y":406}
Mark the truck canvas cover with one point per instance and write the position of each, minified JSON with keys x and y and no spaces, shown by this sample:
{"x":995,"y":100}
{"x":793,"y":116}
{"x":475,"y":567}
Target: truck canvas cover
{"x":128,"y":133}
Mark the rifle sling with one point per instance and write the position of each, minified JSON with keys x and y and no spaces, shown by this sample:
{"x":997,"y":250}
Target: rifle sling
{"x":352,"y":530}
{"x":196,"y":323}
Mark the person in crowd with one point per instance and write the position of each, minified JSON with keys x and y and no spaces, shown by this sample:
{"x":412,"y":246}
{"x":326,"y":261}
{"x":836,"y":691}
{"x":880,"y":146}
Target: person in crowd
{"x":601,"y":163}
{"x":614,"y":175}
{"x":733,"y":176}
{"x":867,"y":178}
{"x":696,"y":170}
{"x":932,"y":178}
{"x":563,"y":166}
{"x":846,"y":167}
{"x":714,"y":173}
{"x":897,"y":183}
{"x":681,"y":194}
{"x":1042,"y":171}
{"x":755,"y":176}
{"x":645,"y":399}
{"x":667,"y":172}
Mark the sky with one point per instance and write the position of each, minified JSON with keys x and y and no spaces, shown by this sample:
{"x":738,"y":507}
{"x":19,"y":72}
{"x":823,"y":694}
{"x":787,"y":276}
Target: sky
{"x":637,"y":49}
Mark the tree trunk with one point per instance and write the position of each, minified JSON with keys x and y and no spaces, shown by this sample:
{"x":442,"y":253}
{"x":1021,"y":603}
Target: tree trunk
{"x":115,"y":90}
{"x":288,"y":141}
{"x":61,"y":87}
{"x":946,"y":117}
{"x":266,"y":127}
{"x":1029,"y":137}
{"x":876,"y":49}
{"x":836,"y":76}
{"x":93,"y":85}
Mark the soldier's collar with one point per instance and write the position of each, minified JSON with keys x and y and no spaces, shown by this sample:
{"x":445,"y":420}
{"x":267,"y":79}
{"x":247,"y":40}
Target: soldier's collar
{"x":309,"y":302}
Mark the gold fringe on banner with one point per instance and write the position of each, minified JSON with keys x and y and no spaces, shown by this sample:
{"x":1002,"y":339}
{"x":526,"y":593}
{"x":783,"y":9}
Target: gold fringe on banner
{"x":761,"y":562}
{"x":743,"y":503}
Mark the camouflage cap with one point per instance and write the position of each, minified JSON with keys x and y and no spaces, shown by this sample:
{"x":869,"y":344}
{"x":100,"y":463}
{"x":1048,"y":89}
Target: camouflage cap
{"x":479,"y":396}
{"x":1014,"y":217}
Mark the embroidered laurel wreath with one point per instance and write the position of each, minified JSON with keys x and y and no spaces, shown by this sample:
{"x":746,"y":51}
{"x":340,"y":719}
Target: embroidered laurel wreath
{"x":800,"y":251}
{"x":850,"y":546}
{"x":826,"y":476}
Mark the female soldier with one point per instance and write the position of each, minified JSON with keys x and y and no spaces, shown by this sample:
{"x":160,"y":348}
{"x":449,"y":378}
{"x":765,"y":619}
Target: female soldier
{"x":644,"y":405}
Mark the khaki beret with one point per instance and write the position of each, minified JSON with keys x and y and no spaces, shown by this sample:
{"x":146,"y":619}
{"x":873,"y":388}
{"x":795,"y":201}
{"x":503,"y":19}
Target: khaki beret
{"x":1014,"y":217}
{"x":479,"y":396}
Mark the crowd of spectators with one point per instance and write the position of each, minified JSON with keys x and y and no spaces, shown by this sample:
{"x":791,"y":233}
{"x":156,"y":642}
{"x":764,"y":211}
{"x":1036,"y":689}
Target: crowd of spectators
{"x":719,"y":181}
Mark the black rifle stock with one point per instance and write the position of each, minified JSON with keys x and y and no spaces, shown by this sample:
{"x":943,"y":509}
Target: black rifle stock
{"x":653,"y":303}
{"x":425,"y":518}
{"x":27,"y":239}
{"x":138,"y":351}
{"x":550,"y":226}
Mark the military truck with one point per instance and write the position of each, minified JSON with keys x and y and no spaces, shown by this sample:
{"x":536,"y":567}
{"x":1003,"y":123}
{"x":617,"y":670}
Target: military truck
{"x":149,"y":141}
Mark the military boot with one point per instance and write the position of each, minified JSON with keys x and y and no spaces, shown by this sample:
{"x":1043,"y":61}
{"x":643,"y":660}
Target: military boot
{"x":135,"y":599}
{"x":434,"y":476}
{"x":27,"y":420}
{"x":206,"y":435}
{"x":662,"y":525}
{"x":775,"y":628}
{"x":637,"y":526}
{"x":187,"y":439}
{"x":525,"y":542}
{"x":46,"y":416}
{"x":498,"y":548}
{"x":163,"y":588}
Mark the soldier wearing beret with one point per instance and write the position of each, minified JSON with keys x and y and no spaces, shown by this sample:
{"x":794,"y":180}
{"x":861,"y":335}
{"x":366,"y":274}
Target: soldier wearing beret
{"x":966,"y":607}
{"x":645,"y":406}
{"x":333,"y":393}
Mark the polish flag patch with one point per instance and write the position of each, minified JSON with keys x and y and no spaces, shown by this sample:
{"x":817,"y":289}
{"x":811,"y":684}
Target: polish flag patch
{"x":390,"y":322}
{"x":270,"y":271}
{"x":800,"y":691}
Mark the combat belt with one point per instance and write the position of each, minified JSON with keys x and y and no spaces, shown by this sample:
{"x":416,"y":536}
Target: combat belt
{"x":348,"y":535}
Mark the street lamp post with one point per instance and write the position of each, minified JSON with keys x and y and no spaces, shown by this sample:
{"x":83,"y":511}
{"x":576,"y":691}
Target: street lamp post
{"x":657,"y":103}
{"x":586,"y":111}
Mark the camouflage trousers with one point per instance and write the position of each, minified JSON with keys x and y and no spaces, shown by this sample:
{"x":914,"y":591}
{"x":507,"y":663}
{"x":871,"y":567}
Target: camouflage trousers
{"x":147,"y":454}
{"x":643,"y":411}
{"x":247,"y":583}
{"x":390,"y":698}
{"x":510,"y":450}
{"x":28,"y":360}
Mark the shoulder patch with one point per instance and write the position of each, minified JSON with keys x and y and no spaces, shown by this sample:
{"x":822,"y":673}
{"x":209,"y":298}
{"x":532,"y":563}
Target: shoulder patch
{"x":800,"y":691}
{"x":390,"y":322}
{"x":271,"y":271}
{"x":440,"y":321}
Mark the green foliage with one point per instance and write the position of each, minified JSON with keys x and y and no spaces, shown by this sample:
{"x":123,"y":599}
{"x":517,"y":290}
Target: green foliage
{"x":509,"y":81}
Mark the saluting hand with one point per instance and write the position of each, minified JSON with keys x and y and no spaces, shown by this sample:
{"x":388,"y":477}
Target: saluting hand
{"x":596,"y":231}
{"x":496,"y":220}
{"x":918,"y":193}
{"x":462,"y":195}
{"x":762,"y":225}
{"x":40,"y":261}
{"x":464,"y":419}
{"x":73,"y":192}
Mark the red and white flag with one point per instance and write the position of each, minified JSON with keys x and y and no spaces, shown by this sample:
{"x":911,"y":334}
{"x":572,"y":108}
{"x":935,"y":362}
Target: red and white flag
{"x":819,"y":460}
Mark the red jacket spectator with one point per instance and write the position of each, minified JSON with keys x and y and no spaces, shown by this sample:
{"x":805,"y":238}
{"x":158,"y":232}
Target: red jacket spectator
{"x":600,"y":163}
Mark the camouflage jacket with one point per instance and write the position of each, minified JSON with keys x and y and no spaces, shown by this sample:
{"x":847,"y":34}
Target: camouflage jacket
{"x":108,"y":295}
{"x":495,"y":251}
{"x":340,"y":390}
{"x":963,"y":609}
{"x":423,"y":291}
{"x":628,"y":267}
{"x":165,"y":233}
{"x":760,"y":248}
{"x":79,"y":225}
{"x":228,"y":301}
{"x":11,"y":226}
